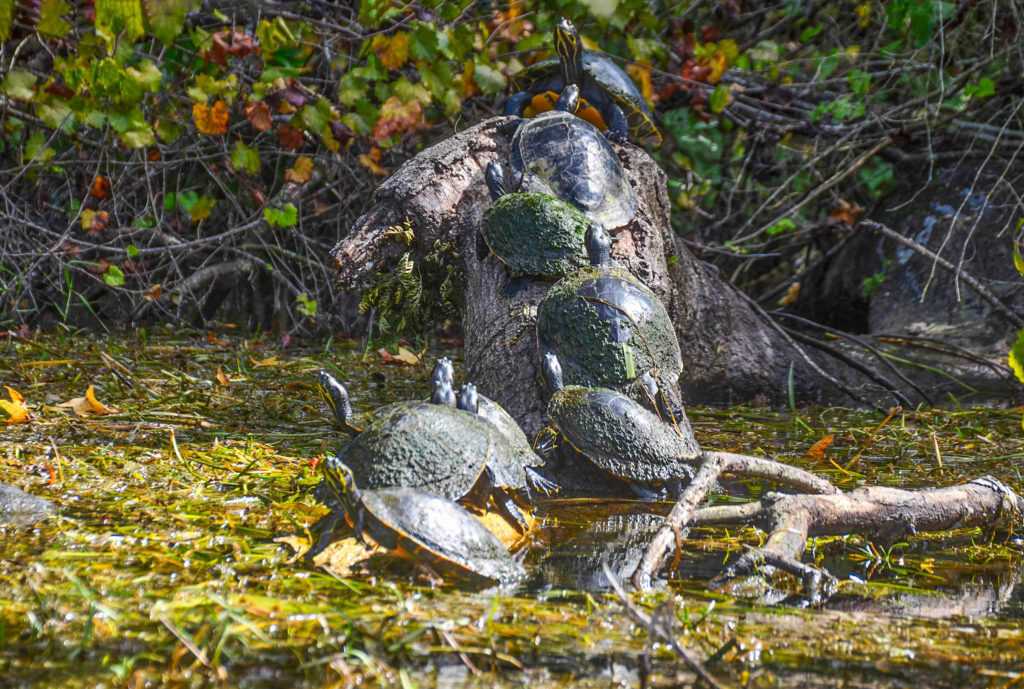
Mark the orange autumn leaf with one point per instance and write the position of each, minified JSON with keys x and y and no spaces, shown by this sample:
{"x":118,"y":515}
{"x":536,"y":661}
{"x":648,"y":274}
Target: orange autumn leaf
{"x":222,"y":377}
{"x":301,"y":171}
{"x":392,"y":51}
{"x":258,"y":114}
{"x":289,"y":137}
{"x":396,"y":116}
{"x":16,"y":410}
{"x":153,"y":293}
{"x":817,"y":450}
{"x":88,"y":404}
{"x":100,"y":187}
{"x":717,"y":67}
{"x":404,"y":356}
{"x":93,"y":222}
{"x":212,"y":121}
{"x":371,"y":162}
{"x":846,"y":213}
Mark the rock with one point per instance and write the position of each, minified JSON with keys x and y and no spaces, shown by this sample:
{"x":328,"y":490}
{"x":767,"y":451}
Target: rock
{"x":19,"y":509}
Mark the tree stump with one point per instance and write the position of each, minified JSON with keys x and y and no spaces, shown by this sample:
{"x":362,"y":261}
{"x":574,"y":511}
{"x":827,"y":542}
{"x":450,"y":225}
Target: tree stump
{"x":731,"y":353}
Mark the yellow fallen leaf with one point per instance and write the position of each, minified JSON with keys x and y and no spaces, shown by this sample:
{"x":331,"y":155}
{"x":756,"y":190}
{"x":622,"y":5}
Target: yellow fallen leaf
{"x":271,"y":361}
{"x":88,"y":404}
{"x":16,"y":410}
{"x":407,"y":357}
{"x":817,"y":450}
{"x":222,"y":377}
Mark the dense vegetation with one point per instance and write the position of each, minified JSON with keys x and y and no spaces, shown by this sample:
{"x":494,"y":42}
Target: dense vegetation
{"x":178,"y":161}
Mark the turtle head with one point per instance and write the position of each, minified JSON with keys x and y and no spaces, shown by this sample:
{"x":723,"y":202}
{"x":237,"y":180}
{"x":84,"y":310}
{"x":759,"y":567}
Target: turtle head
{"x":468,"y":399}
{"x":569,"y":99}
{"x":442,"y":392}
{"x":335,"y":396}
{"x":496,"y":180}
{"x":341,"y":482}
{"x":443,"y":370}
{"x":569,"y":47}
{"x":599,"y":246}
{"x":552,"y":372}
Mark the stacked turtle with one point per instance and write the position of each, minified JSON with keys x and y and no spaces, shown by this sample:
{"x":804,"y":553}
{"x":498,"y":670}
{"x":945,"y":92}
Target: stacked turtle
{"x":601,"y":335}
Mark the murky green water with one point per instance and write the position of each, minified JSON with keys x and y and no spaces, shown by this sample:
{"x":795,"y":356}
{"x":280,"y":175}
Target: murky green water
{"x":163,"y":569}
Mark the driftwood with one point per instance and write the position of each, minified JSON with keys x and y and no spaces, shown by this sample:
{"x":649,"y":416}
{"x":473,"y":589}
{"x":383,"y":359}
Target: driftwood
{"x":882,"y":513}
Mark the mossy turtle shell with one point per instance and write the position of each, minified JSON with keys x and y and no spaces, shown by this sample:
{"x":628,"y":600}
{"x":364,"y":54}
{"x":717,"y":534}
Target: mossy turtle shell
{"x":495,"y":414}
{"x":607,"y":329}
{"x":536,"y":234}
{"x":603,"y":81}
{"x":431,"y":447}
{"x":438,"y":532}
{"x":559,"y":154}
{"x":620,"y":436}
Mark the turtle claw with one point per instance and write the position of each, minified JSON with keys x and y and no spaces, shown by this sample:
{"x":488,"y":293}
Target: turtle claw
{"x":541,"y":484}
{"x":615,"y":136}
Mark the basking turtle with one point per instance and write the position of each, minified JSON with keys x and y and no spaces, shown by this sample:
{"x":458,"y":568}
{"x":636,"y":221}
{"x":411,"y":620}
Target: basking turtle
{"x":617,"y":434}
{"x":335,"y":396}
{"x":607,"y":328}
{"x":422,"y":527}
{"x":563,"y":156}
{"x":535,"y":234}
{"x":441,"y":450}
{"x":620,"y":108}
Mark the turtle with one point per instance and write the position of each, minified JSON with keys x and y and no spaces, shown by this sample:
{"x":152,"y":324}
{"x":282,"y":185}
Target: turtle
{"x":422,"y":527}
{"x":618,"y":435}
{"x":608,"y":329}
{"x":534,"y":234}
{"x":442,"y":450}
{"x":611,"y":99}
{"x":561,"y":155}
{"x":335,"y":396}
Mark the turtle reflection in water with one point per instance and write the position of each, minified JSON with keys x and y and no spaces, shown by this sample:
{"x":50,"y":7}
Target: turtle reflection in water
{"x":422,"y":527}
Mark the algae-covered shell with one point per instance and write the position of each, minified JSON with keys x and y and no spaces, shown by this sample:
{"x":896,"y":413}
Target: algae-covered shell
{"x":433,"y":448}
{"x":561,"y":155}
{"x":536,"y":234}
{"x":608,"y":329}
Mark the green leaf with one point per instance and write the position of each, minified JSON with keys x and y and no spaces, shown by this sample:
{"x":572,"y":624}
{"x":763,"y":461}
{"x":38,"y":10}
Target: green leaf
{"x":7,"y":8}
{"x":781,"y":226}
{"x":113,"y":277}
{"x":131,"y":250}
{"x":245,"y":158}
{"x":147,"y":75}
{"x":50,"y":21}
{"x":166,"y":18}
{"x":827,"y":65}
{"x":1017,"y":357}
{"x":167,"y":131}
{"x":284,"y":217}
{"x":1018,"y":261}
{"x":36,"y":149}
{"x":19,"y":84}
{"x":489,"y":79}
{"x":810,"y":32}
{"x":114,"y":17}
{"x":305,"y":305}
{"x":719,"y":98}
{"x":986,"y":87}
{"x":859,"y":82}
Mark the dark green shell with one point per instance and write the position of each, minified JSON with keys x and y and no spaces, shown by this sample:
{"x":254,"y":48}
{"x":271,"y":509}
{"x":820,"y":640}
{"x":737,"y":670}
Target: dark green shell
{"x":561,"y":155}
{"x":536,"y":234}
{"x":603,"y":81}
{"x":433,"y":448}
{"x":607,"y":329}
{"x":620,"y":436}
{"x":438,"y":532}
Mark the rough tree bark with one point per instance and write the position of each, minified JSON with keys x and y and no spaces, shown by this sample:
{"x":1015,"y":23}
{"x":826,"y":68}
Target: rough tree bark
{"x":730,"y":352}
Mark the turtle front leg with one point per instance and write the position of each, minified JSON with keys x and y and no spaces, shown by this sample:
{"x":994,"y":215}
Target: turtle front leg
{"x":618,"y":128}
{"x":517,"y":102}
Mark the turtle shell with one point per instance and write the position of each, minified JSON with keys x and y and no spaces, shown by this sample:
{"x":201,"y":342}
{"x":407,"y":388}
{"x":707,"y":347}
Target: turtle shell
{"x":433,"y":448}
{"x":536,"y":234}
{"x":620,"y":436}
{"x":438,"y":532}
{"x":607,"y":329}
{"x":604,"y":82}
{"x":563,"y":156}
{"x":495,"y":414}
